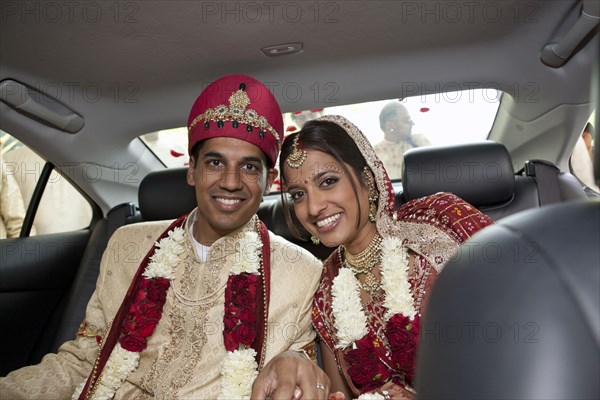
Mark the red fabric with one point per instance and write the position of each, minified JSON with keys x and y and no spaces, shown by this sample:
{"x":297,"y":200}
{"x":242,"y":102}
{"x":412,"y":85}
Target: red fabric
{"x":261,"y":100}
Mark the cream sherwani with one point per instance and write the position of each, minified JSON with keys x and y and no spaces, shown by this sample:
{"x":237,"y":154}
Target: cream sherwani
{"x":185,"y":351}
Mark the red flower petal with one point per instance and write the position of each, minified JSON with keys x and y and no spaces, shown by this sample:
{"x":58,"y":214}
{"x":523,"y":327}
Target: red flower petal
{"x":133,"y":343}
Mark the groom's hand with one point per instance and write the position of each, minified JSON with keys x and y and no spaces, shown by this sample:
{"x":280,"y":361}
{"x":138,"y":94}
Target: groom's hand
{"x":291,"y":376}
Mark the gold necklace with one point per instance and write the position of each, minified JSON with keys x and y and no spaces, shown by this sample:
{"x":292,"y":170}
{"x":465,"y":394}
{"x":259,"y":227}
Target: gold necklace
{"x":364,"y":262}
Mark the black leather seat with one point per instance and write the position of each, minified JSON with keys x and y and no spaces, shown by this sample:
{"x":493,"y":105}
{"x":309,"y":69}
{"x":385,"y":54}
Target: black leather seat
{"x":165,"y":194}
{"x":65,"y":322}
{"x":481,"y":173}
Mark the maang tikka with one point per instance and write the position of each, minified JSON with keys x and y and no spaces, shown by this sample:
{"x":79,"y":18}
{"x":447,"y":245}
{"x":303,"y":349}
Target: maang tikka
{"x":297,"y":156}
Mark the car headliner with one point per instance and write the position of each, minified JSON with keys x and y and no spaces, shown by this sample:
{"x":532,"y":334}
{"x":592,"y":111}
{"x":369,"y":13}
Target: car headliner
{"x":150,"y":59}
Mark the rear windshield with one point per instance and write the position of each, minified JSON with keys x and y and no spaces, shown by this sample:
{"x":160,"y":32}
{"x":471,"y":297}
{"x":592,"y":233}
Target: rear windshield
{"x":392,"y":126}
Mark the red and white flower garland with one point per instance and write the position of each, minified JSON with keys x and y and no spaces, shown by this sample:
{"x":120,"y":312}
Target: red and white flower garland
{"x":402,"y":326}
{"x":239,"y":368}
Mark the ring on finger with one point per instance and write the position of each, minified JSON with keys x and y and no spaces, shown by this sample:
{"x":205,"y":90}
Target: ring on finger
{"x":320,"y":386}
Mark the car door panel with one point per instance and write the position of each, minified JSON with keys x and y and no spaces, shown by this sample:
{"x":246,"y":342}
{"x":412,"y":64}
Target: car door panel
{"x":35,"y":273}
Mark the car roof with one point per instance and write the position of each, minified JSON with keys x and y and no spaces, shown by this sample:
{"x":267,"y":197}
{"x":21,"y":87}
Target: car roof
{"x":129,"y":68}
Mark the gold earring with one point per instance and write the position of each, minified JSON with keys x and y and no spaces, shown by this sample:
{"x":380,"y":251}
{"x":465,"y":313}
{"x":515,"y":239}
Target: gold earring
{"x":315,"y":240}
{"x":373,"y":196}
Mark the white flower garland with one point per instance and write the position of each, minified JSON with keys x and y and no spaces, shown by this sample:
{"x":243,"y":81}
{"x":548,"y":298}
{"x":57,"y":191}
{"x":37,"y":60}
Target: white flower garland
{"x":123,"y":362}
{"x":239,"y":367}
{"x":248,"y":260}
{"x":350,"y":320}
{"x":238,"y":371}
{"x":394,"y":279}
{"x":371,"y":396}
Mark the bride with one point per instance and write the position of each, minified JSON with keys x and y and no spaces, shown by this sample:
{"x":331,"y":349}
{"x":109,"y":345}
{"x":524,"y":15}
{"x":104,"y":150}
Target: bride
{"x":374,"y":286}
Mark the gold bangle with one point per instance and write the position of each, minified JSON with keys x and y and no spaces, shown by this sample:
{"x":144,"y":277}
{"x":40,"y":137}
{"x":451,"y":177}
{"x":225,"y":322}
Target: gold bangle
{"x":310,"y":351}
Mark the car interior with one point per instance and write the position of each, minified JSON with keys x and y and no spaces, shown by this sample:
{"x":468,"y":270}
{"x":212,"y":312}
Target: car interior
{"x":82,"y":83}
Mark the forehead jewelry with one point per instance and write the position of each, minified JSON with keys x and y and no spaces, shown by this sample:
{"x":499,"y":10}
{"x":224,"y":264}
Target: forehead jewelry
{"x":297,"y":156}
{"x":327,"y":168}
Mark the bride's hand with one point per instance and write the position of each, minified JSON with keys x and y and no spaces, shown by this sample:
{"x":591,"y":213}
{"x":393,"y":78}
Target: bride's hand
{"x":391,"y":391}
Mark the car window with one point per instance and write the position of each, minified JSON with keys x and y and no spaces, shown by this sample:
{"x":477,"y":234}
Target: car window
{"x":392,"y":126}
{"x":581,"y":158}
{"x":62,"y":208}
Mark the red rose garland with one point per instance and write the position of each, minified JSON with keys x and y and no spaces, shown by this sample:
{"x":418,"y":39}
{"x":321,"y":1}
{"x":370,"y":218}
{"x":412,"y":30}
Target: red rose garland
{"x":240,"y":368}
{"x":402,"y":334}
{"x":367,"y":369}
{"x":240,"y":305}
{"x":144,"y":313}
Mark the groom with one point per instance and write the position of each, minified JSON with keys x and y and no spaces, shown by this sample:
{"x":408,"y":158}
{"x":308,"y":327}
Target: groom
{"x":206,"y":301}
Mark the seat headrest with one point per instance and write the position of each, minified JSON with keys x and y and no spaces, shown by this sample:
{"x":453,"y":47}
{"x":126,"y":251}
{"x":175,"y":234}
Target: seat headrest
{"x":481,"y":173}
{"x":166,"y":194}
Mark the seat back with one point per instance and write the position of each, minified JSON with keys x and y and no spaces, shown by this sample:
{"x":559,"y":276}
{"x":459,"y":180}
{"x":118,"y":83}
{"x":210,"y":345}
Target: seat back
{"x":71,"y":310}
{"x":481,"y":173}
{"x":165,"y":194}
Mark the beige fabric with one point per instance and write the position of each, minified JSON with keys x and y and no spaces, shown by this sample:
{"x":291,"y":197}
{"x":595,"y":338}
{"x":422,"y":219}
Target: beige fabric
{"x":62,"y":208}
{"x":392,"y":153}
{"x":12,"y":209}
{"x":582,"y":165}
{"x":184,"y":353}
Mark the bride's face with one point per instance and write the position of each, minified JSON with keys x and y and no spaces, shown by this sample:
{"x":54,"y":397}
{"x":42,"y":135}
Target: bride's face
{"x":325,"y":202}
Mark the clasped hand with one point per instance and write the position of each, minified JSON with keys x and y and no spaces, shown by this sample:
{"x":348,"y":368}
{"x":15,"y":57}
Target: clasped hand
{"x":290,"y":375}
